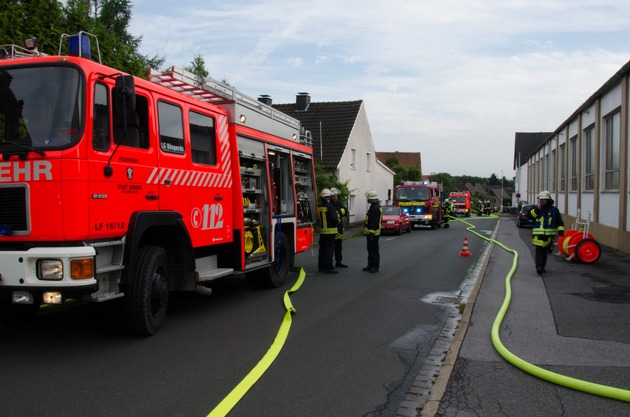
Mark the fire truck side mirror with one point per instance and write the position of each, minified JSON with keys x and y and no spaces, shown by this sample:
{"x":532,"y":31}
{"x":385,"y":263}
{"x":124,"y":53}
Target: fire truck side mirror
{"x":125,"y":94}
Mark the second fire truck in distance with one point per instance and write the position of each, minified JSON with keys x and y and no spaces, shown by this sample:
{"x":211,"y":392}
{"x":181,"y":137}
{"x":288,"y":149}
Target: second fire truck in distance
{"x":113,"y":186}
{"x":461,"y":202}
{"x":422,"y":201}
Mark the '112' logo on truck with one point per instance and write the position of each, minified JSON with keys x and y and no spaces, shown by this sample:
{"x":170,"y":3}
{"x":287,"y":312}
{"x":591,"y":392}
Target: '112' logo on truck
{"x":210,"y":216}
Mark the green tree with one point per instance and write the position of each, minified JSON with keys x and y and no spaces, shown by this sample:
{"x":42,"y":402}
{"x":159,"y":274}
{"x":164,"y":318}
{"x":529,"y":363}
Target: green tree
{"x":198,"y":66}
{"x":109,"y":21}
{"x":41,"y":19}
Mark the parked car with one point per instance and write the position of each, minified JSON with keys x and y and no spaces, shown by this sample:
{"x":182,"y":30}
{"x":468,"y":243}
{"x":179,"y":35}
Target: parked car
{"x":523,"y":219}
{"x":395,"y":220}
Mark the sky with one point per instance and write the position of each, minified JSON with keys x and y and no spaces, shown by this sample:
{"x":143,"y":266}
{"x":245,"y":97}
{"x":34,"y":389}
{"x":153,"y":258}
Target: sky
{"x":451,"y":79}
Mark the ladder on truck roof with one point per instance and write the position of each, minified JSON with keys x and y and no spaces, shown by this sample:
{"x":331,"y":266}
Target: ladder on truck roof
{"x":242,"y":109}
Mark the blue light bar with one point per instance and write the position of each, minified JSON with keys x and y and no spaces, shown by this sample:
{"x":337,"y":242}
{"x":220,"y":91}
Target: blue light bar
{"x":5,"y":230}
{"x":78,"y":43}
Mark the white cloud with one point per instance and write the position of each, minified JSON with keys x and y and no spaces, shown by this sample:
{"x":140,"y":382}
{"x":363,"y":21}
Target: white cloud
{"x":449,"y":78}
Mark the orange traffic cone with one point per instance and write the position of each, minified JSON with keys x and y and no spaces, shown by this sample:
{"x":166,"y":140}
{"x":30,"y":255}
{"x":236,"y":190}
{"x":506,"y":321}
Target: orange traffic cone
{"x":464,"y":251}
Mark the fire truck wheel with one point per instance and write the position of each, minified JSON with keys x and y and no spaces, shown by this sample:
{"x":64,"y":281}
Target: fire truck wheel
{"x":279,"y":268}
{"x":147,"y":293}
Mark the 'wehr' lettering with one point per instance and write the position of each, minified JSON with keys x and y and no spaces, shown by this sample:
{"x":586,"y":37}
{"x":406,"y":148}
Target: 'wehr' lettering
{"x":18,"y":171}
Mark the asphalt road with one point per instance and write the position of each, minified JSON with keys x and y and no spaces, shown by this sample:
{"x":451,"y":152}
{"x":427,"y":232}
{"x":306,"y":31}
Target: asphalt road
{"x":355,"y":347}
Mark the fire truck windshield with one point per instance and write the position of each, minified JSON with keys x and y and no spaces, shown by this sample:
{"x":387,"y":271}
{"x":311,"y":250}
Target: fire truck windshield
{"x":458,"y":198}
{"x":412,"y":194}
{"x":41,"y":107}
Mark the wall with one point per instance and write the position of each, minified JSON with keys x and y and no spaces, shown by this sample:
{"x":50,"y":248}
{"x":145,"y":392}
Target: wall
{"x":363,"y":170}
{"x":606,"y":209}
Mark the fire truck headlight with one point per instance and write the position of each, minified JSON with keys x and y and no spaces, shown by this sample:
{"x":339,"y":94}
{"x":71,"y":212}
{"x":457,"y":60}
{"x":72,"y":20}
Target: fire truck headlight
{"x":429,"y":216}
{"x":52,"y":297}
{"x":50,"y":269}
{"x":82,"y":268}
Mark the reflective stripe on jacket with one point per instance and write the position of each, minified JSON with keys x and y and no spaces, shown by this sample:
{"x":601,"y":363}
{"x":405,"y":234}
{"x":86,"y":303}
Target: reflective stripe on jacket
{"x":324,"y":218}
{"x":547,"y":221}
{"x":373,"y":220}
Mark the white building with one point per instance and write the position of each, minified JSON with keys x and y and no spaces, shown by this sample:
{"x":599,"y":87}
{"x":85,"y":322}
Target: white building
{"x":343,"y":145}
{"x":585,"y":164}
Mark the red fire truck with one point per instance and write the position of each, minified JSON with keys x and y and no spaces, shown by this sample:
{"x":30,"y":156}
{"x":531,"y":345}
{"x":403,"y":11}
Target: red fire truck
{"x":422,"y":201}
{"x":115,"y":186}
{"x":461,"y":202}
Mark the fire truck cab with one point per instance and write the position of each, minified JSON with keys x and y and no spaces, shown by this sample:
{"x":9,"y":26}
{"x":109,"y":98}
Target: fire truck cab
{"x":461,"y":202}
{"x":422,"y":201}
{"x":114,"y":186}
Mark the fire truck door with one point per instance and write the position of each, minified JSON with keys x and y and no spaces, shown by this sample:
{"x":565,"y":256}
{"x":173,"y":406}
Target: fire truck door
{"x":195,"y":176}
{"x":283,"y":190}
{"x":118,"y":175}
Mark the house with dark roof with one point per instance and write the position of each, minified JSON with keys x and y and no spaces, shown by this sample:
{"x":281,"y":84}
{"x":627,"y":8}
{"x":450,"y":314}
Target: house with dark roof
{"x":343,"y":146}
{"x":525,"y":144}
{"x":406,"y":159}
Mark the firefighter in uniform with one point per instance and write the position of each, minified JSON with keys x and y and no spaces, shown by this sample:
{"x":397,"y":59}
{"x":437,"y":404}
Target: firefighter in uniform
{"x":547,"y":221}
{"x":372,"y":231}
{"x":342,"y":211}
{"x":327,"y":220}
{"x":447,"y":212}
{"x":480,"y":207}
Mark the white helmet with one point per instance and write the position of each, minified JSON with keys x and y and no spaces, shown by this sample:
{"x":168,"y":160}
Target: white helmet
{"x":371,"y":195}
{"x":446,"y":200}
{"x":335,"y":191}
{"x":544,"y":194}
{"x":325,"y":193}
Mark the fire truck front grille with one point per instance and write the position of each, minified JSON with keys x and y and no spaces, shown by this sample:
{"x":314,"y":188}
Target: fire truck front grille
{"x":13,"y":209}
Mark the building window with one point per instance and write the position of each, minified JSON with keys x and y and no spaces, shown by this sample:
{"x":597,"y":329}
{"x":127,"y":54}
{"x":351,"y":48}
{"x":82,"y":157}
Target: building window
{"x":552,"y":171}
{"x":589,"y":159}
{"x":573,"y":162}
{"x":561,"y":167}
{"x":612,"y":125}
{"x":353,"y":158}
{"x":368,"y":159}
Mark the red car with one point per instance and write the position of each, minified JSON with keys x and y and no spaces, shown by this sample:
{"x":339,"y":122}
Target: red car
{"x":395,"y":220}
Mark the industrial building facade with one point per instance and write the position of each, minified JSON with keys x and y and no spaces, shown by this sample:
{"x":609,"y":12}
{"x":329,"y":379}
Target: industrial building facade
{"x":585,"y":164}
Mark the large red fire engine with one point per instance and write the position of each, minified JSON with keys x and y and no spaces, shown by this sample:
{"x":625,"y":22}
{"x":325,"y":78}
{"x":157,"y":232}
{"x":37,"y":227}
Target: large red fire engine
{"x":422,"y":201}
{"x":461,"y":202}
{"x":114,"y":186}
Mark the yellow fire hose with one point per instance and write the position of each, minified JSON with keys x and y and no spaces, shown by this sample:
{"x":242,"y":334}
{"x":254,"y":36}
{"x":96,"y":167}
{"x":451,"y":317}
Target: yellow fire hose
{"x":558,"y":379}
{"x":226,"y":405}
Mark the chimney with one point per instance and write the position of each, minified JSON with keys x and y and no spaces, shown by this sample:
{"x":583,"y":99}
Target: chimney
{"x":266,"y":99}
{"x":302,"y":100}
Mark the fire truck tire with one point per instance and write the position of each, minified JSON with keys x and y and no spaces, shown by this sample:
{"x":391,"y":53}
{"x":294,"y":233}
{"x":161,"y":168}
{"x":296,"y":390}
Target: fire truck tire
{"x":409,"y":227}
{"x":278,"y":271}
{"x":147,"y":293}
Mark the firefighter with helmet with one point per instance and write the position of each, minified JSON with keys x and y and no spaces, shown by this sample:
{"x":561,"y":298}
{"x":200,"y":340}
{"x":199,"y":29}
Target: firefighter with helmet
{"x":547,"y":221}
{"x":447,"y":212}
{"x":342,"y":211}
{"x":327,"y":220}
{"x":372,"y":231}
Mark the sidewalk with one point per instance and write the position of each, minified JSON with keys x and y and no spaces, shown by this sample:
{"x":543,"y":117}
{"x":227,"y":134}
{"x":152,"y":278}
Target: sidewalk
{"x":575,"y":321}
